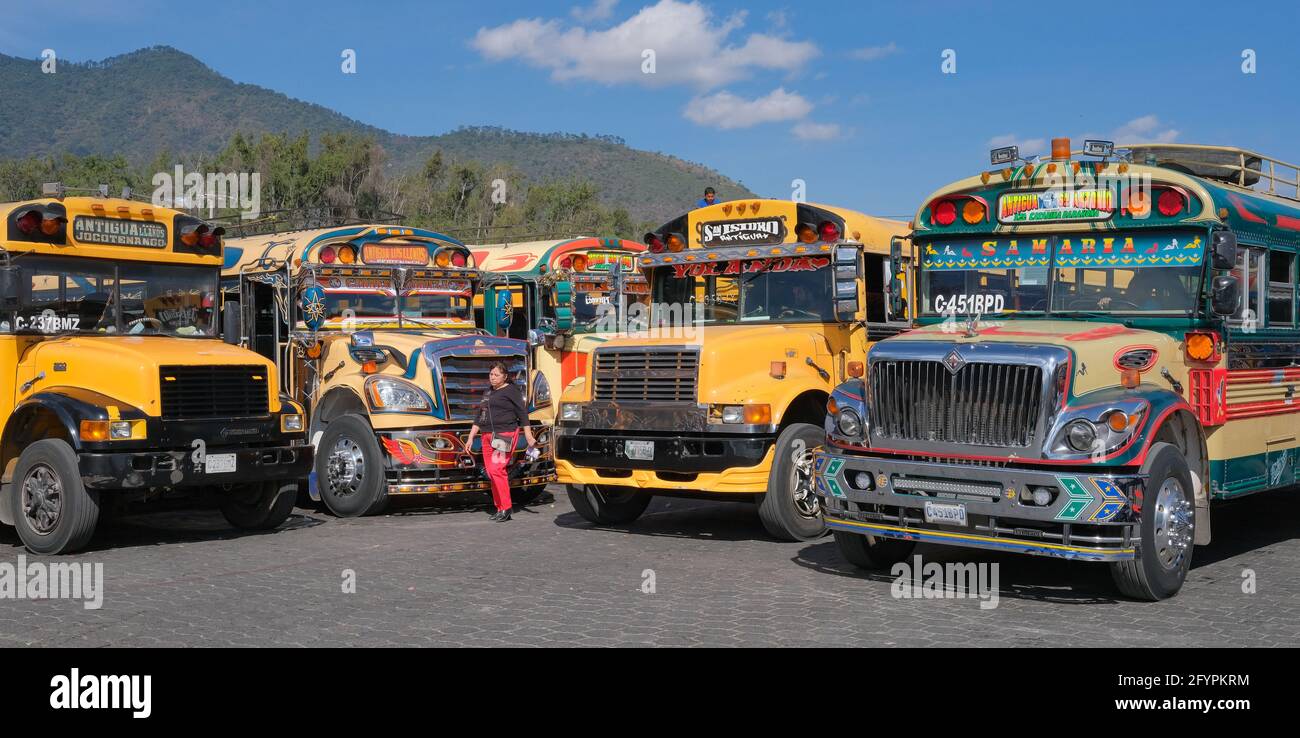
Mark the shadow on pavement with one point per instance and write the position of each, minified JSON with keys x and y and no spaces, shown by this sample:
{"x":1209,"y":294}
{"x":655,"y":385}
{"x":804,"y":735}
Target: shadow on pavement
{"x":675,"y":517}
{"x":1240,"y":528}
{"x":170,"y":527}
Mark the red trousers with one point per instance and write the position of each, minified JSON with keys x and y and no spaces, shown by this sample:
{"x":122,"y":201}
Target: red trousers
{"x":498,"y":466}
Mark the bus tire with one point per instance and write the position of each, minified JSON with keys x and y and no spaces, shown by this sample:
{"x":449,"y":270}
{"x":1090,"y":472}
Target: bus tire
{"x":872,"y":552}
{"x":350,"y":468}
{"x":260,"y":505}
{"x":605,"y":507}
{"x":1166,"y":530}
{"x":526,"y":495}
{"x":789,"y":509}
{"x":53,"y":511}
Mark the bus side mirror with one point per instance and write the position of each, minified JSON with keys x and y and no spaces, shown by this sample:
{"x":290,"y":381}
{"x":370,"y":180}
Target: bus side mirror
{"x":897,"y":303}
{"x":563,"y":306}
{"x":231,"y":323}
{"x":1223,"y":247}
{"x":848,"y":274}
{"x":1225,"y":299}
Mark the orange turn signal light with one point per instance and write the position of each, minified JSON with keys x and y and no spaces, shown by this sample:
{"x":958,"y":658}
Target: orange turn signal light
{"x":1199,"y":346}
{"x":370,"y":367}
{"x":1130,"y":378}
{"x":856,"y":369}
{"x":777,"y":370}
{"x":94,"y":430}
{"x":972,"y":212}
{"x":758,"y":414}
{"x":1118,"y":421}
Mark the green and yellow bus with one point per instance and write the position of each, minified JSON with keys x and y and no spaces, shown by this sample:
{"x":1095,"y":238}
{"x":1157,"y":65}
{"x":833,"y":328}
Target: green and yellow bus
{"x":1107,"y":344}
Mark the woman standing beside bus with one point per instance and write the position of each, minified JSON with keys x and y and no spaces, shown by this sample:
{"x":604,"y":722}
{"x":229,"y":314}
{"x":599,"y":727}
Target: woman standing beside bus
{"x":501,"y":415}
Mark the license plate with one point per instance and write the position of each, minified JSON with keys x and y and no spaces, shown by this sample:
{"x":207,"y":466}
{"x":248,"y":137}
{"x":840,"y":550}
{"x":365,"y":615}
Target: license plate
{"x":938,"y":512}
{"x":639,"y":450}
{"x":219,"y":463}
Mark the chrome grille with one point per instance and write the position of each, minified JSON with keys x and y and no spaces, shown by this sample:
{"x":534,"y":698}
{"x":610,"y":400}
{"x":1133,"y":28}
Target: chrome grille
{"x":194,"y":392}
{"x":981,"y":404}
{"x":465,"y":380}
{"x":646,"y":375}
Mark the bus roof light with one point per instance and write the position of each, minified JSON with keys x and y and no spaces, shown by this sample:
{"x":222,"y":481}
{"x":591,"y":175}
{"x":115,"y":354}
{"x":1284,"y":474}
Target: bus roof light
{"x":806,"y":233}
{"x":972,"y":211}
{"x":458,"y":260}
{"x":326,"y":255}
{"x":828,"y":231}
{"x":1061,"y":149}
{"x":653,"y":242}
{"x":675,"y":242}
{"x":347,"y":254}
{"x":1170,"y":203}
{"x":943,"y":213}
{"x":29,"y":222}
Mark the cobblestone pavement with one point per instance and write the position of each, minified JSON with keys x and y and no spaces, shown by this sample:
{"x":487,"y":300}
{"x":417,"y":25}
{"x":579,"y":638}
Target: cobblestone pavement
{"x":448,"y":576}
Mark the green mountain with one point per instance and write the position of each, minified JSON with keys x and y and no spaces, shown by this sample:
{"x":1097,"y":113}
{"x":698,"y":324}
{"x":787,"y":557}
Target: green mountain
{"x":160,"y":99}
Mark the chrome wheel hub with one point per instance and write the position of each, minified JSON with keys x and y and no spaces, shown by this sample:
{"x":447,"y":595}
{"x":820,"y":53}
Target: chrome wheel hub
{"x":42,"y":499}
{"x":1174,"y":522}
{"x":345,"y":467}
{"x":805,"y":498}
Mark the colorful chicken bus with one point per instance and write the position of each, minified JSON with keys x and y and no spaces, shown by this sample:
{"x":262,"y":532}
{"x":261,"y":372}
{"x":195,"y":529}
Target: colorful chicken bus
{"x":759,"y":308}
{"x":563,"y":297}
{"x":1106,"y":346}
{"x":118,"y":388}
{"x":372,"y":328}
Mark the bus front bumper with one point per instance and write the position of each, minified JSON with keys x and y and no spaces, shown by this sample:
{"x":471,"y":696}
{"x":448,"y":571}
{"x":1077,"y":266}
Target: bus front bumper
{"x":1086,"y":515}
{"x":218,"y":465}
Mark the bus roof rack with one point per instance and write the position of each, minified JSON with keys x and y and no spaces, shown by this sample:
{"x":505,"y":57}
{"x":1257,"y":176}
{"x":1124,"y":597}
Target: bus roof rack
{"x":273,"y":222}
{"x":517,"y":233}
{"x":1227,"y":164}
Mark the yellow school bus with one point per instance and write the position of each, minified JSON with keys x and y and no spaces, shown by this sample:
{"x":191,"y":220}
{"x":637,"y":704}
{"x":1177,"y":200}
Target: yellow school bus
{"x":372,"y":328}
{"x":759,"y":308}
{"x":116,"y":385}
{"x":563,"y":296}
{"x":1107,"y":344}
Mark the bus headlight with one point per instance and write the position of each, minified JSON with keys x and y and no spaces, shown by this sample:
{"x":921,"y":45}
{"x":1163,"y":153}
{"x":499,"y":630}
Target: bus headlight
{"x":849,"y":423}
{"x":291,"y":423}
{"x":1081,"y":435}
{"x":109,"y":430}
{"x":570,"y":411}
{"x":387,"y":394}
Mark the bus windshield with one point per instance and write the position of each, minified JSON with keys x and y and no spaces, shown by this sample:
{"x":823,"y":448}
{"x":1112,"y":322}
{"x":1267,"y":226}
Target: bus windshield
{"x":56,"y":295}
{"x":1155,"y":274}
{"x":376,"y":298}
{"x":780,"y":290}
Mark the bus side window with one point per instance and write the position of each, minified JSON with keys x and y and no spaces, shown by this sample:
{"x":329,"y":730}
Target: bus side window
{"x":1281,"y":289}
{"x":1250,"y":273}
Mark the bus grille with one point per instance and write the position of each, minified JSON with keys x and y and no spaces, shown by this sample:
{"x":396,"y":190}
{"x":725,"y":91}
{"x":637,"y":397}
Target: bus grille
{"x":465,"y":380}
{"x":981,"y":404}
{"x":646,"y":375}
{"x":194,"y":392}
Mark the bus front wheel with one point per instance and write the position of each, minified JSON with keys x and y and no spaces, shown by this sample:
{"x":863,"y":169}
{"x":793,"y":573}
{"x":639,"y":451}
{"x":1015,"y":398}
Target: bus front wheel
{"x":608,"y":506}
{"x":1167,"y":530}
{"x":350,"y":468}
{"x":789,"y":509}
{"x":52,"y":510}
{"x":259,"y":506}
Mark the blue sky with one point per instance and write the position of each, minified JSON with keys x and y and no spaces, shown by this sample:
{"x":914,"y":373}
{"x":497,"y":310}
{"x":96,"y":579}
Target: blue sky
{"x":848,"y":96}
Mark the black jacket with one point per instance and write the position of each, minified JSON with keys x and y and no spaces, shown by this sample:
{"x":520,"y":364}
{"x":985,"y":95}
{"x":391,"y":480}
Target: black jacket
{"x":502,"y":410}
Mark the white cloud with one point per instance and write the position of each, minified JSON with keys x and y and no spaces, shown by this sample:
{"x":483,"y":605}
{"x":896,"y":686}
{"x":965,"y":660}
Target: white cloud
{"x":726,"y":111}
{"x":872,"y":53}
{"x":598,"y":11}
{"x":809,"y":131}
{"x":1028,"y":146}
{"x":690,"y":47}
{"x":1147,"y":129}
